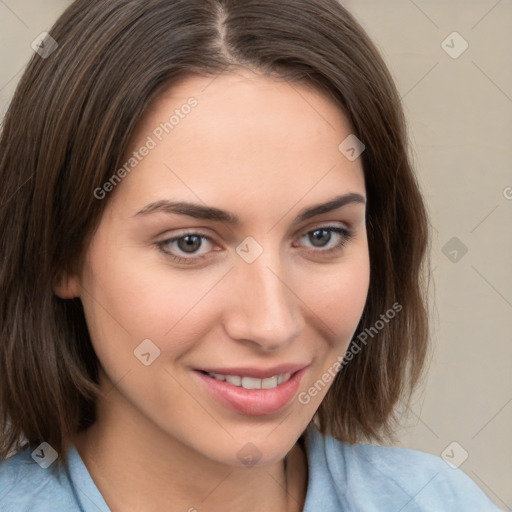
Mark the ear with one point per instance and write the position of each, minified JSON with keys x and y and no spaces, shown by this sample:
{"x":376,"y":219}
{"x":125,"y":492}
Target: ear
{"x":67,"y":286}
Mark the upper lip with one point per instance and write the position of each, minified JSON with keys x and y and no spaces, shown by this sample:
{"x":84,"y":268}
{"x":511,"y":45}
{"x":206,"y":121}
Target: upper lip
{"x":256,"y":373}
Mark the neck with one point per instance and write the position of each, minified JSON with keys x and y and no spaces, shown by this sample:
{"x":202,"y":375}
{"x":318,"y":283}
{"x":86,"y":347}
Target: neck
{"x":138,"y":469}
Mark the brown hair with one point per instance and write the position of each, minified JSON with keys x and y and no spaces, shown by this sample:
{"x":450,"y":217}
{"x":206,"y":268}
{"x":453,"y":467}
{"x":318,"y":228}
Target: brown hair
{"x":69,"y":126}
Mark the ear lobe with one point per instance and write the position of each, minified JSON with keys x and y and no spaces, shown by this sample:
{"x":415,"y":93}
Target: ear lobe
{"x":67,"y":287}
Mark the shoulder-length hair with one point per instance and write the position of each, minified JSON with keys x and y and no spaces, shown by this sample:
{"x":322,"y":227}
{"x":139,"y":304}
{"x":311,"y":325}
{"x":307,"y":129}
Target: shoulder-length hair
{"x":69,"y":126}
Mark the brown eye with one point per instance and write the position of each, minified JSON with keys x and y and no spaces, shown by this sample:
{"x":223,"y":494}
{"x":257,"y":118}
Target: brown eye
{"x":321,"y":237}
{"x":189,"y":243}
{"x":178,"y":247}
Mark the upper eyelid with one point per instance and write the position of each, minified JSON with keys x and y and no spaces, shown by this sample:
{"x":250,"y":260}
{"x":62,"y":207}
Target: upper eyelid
{"x":302,"y":232}
{"x":349,"y":233}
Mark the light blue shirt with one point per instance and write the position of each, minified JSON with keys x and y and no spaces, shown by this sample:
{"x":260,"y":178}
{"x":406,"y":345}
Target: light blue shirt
{"x":342,"y":477}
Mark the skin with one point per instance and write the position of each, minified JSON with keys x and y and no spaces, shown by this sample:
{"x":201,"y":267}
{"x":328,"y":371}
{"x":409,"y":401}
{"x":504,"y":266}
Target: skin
{"x":263,"y":150}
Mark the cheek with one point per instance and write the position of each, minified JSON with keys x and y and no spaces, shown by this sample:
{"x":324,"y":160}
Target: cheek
{"x":338,"y":296}
{"x":128,"y":299}
{"x":338,"y":301}
{"x":351,"y":297}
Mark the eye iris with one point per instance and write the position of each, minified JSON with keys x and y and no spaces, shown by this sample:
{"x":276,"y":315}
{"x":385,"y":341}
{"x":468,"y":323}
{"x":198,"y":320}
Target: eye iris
{"x":192,"y":243}
{"x":319,"y":235}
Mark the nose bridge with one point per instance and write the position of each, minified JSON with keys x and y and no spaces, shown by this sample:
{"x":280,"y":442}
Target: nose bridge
{"x":265,"y":311}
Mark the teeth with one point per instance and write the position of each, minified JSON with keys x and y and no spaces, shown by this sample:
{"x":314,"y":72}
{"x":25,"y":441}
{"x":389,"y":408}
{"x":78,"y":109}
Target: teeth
{"x":251,"y":382}
{"x":283,"y":378}
{"x":269,"y":383}
{"x":234,"y":379}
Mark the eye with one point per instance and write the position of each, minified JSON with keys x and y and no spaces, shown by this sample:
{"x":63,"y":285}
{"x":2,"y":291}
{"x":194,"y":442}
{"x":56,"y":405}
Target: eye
{"x":322,"y":237}
{"x":187,"y":243}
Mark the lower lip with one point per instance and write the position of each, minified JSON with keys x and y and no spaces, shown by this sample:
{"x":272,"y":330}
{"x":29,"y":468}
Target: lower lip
{"x":253,"y":402}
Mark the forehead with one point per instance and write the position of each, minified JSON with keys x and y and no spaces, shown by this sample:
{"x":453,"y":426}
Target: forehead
{"x":246,"y":136}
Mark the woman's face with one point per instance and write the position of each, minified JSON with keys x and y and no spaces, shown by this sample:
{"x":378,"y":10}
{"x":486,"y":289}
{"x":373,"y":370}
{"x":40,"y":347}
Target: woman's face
{"x":173,"y":294}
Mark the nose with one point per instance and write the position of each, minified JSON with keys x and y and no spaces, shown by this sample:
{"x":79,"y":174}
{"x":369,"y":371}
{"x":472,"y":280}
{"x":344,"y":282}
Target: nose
{"x":263,"y":309}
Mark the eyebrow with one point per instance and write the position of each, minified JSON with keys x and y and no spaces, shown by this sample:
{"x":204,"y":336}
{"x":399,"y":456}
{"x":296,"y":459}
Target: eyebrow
{"x":211,"y":213}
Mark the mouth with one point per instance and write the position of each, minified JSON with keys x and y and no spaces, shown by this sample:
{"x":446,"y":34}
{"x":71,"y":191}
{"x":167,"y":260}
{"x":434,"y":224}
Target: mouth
{"x":246,"y":382}
{"x":252,"y":391}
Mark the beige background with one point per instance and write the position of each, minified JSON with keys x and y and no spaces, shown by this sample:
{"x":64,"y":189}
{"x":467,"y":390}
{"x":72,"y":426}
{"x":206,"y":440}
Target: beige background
{"x":460,"y":118}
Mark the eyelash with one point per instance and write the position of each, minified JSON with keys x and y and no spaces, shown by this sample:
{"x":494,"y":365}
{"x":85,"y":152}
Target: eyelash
{"x":346,"y":235}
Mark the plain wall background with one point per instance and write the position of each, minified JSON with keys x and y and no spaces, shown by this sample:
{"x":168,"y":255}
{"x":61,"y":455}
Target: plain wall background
{"x":459,"y":112}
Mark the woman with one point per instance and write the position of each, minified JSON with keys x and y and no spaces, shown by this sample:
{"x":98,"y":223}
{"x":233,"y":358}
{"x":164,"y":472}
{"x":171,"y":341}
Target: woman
{"x":213,"y":261}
